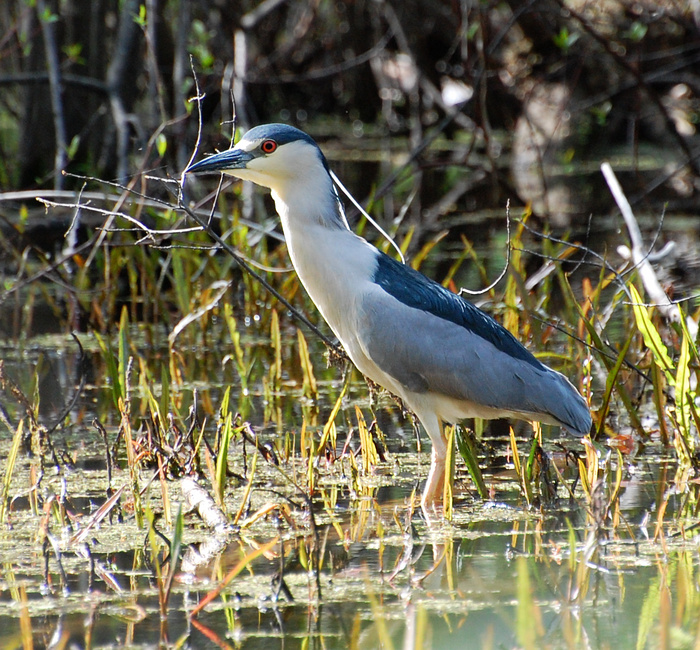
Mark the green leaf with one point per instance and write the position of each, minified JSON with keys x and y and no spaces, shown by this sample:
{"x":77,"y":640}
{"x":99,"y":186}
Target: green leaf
{"x":526,"y":617}
{"x":164,"y":391}
{"x":684,"y":395}
{"x":161,"y":144}
{"x":599,"y":348}
{"x":612,"y":380}
{"x":112,"y":369}
{"x":222,"y":459}
{"x":310,"y":387}
{"x":47,"y":16}
{"x":238,"y":353}
{"x":123,"y":351}
{"x":467,"y":451}
{"x":636,"y":32}
{"x":141,"y":19}
{"x":564,"y":40}
{"x":72,"y":148}
{"x":182,"y":283}
{"x":448,"y":488}
{"x":652,"y":338}
{"x":10,"y":468}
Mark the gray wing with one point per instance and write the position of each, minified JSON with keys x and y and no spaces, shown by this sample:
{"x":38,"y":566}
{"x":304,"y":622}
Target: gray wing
{"x":427,"y":353}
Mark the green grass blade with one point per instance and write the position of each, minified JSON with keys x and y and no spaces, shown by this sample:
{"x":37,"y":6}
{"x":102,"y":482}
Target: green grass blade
{"x":222,"y":459}
{"x":448,"y":488}
{"x":467,"y":451}
{"x":123,"y":351}
{"x":683,"y":388}
{"x":651,"y":336}
{"x":597,"y":346}
{"x":112,"y":368}
{"x":611,"y":381}
{"x":9,"y":469}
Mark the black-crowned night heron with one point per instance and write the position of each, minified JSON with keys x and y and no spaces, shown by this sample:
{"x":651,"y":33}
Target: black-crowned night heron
{"x":446,"y":359}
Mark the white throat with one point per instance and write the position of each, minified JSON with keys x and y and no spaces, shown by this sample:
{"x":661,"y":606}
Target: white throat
{"x":331,"y":261}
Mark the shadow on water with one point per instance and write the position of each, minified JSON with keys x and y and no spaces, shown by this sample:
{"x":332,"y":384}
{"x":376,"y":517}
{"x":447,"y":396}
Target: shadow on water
{"x":571,"y":563}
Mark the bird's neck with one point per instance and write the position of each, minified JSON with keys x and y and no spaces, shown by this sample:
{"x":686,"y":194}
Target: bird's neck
{"x":302,"y":204}
{"x":315,"y":230}
{"x":330,"y":260}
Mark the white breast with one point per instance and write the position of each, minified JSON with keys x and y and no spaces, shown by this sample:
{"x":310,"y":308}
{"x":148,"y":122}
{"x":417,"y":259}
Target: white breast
{"x":335,"y":267}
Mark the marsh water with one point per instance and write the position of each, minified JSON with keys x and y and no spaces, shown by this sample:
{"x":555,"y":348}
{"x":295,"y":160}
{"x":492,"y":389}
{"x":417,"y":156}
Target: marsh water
{"x":499,"y":574}
{"x":352,"y":563}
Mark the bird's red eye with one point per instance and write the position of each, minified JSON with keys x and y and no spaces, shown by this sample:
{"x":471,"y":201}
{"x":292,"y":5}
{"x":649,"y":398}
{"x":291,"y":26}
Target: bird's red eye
{"x":268,"y":146}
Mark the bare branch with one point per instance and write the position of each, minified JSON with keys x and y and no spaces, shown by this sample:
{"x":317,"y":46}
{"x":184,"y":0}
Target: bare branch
{"x":53,"y":64}
{"x":640,"y":258}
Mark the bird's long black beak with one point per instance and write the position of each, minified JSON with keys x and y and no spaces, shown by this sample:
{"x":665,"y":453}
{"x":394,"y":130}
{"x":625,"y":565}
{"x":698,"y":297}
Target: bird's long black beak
{"x":221,"y":162}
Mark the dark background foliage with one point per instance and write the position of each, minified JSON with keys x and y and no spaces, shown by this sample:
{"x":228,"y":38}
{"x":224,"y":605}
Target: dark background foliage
{"x":103,"y":88}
